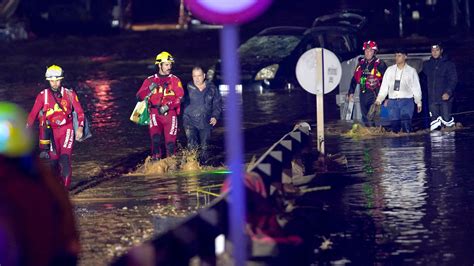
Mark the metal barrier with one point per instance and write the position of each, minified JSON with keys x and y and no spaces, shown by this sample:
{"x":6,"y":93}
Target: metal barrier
{"x":195,"y":236}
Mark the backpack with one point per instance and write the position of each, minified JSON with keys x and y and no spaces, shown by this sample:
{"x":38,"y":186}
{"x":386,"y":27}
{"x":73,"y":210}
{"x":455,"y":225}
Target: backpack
{"x":87,"y":133}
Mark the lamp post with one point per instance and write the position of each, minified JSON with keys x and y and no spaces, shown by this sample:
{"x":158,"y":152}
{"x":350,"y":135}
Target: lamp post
{"x":231,"y":13}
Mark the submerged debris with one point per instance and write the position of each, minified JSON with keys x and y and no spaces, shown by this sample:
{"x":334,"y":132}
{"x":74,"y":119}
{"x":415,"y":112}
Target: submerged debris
{"x":184,"y":161}
{"x":326,"y":244}
{"x":171,"y":211}
{"x":359,"y":131}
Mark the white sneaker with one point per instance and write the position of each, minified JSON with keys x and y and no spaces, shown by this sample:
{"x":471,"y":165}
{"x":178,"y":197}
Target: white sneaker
{"x":435,"y":124}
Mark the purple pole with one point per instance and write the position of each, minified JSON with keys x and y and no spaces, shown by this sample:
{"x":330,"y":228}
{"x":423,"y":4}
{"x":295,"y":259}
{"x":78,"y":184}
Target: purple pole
{"x":234,"y":144}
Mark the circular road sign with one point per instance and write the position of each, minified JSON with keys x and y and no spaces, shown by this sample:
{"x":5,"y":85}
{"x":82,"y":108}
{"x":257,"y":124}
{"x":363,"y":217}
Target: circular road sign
{"x":307,"y":76}
{"x":227,"y":11}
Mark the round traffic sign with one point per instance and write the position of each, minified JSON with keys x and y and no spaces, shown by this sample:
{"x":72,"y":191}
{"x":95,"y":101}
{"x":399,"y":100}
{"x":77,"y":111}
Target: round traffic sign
{"x":227,"y":11}
{"x":307,"y":67}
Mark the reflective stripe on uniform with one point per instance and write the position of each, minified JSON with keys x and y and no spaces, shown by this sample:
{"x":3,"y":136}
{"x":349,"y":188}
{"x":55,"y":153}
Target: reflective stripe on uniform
{"x":44,"y":141}
{"x":174,"y":126}
{"x":66,"y":139}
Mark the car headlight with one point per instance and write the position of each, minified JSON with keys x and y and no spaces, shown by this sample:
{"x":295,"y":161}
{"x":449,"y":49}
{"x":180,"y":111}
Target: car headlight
{"x":267,"y":72}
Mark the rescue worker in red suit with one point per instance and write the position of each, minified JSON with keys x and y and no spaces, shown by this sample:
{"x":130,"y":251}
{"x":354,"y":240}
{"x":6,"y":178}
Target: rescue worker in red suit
{"x":53,"y":108}
{"x":368,"y":74}
{"x":164,"y":92}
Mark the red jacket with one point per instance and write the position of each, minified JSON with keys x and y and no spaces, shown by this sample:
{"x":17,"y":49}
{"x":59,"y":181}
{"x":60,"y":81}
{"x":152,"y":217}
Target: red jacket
{"x":169,"y":91}
{"x":47,"y":102}
{"x":373,"y":72}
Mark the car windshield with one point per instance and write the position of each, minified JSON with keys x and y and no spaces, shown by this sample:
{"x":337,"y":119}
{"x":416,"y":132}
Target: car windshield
{"x":272,"y":46}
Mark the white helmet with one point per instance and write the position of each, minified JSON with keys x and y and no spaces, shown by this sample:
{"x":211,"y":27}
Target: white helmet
{"x":54,"y":72}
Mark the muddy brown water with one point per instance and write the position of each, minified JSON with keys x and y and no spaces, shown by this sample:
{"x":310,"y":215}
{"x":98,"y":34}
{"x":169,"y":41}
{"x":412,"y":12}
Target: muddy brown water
{"x":412,"y":204}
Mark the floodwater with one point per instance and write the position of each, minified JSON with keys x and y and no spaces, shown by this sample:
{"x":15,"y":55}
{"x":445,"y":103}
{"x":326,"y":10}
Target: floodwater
{"x":412,"y":202}
{"x":125,"y":211}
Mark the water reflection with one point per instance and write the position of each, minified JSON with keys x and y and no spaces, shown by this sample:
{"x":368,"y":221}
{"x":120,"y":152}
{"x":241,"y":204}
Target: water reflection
{"x":404,"y":190}
{"x":386,"y":211}
{"x":276,"y":107}
{"x":412,"y":205}
{"x":443,"y":202}
{"x":443,"y":149}
{"x":105,"y":107}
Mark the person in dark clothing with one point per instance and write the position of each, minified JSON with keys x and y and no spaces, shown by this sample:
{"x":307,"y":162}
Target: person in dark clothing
{"x":203,"y":106}
{"x":368,"y":74}
{"x":441,"y":79}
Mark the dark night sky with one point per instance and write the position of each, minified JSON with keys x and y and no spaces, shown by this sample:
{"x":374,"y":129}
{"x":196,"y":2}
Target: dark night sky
{"x":281,"y":12}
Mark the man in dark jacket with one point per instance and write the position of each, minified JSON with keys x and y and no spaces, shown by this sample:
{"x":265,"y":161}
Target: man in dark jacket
{"x":203,"y":106}
{"x":368,"y":74}
{"x":442,"y":79}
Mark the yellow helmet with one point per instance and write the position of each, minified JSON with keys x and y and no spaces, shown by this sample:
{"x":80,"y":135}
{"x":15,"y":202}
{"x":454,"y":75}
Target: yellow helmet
{"x":15,"y":139}
{"x":164,"y":57}
{"x":54,"y":72}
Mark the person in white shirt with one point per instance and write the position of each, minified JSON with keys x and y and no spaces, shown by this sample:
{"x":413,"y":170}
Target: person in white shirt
{"x":402,"y":85}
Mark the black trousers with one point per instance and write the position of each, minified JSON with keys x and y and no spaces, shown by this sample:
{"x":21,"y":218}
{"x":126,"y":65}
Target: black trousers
{"x":199,"y":139}
{"x":367,"y":98}
{"x":441,"y":109}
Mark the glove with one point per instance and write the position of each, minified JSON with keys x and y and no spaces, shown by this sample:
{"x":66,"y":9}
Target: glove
{"x":152,"y":86}
{"x":44,"y":155}
{"x":163,"y":109}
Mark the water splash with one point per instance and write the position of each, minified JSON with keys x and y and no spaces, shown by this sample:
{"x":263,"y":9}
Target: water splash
{"x":183,"y":163}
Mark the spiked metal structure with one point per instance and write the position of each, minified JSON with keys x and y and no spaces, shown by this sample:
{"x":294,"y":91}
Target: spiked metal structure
{"x":195,"y":236}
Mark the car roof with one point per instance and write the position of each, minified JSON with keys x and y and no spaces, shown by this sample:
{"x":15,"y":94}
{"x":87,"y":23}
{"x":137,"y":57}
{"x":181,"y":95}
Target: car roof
{"x":283,"y":30}
{"x":341,"y":29}
{"x":344,"y":18}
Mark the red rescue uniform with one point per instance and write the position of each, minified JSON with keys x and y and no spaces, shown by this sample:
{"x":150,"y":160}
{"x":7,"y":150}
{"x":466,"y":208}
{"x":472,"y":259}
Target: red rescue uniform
{"x":168,"y":92}
{"x":57,"y":108}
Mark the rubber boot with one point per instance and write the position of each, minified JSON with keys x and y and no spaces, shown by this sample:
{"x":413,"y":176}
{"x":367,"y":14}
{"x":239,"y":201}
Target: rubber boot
{"x":156,"y":153}
{"x":170,"y":149}
{"x":65,"y":169}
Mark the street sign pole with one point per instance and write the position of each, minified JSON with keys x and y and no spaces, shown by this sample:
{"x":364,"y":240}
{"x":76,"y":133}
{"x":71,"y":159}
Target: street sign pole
{"x":319,"y":72}
{"x":234,"y":143}
{"x":231,"y":13}
{"x":320,"y":99}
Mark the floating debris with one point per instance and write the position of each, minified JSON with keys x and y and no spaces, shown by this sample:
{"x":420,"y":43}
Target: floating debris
{"x":190,"y":161}
{"x":359,"y":131}
{"x":327,"y":244}
{"x":183,"y":161}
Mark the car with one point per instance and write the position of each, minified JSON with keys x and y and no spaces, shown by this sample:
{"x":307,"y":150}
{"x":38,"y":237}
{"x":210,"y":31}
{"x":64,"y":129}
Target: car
{"x":354,"y":19}
{"x":268,"y":60}
{"x":265,"y":58}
